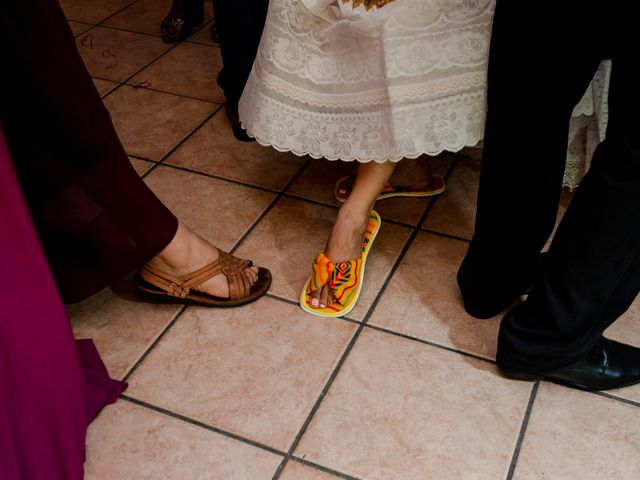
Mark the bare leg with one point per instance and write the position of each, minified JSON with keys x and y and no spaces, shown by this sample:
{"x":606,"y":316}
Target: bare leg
{"x":345,"y":241}
{"x":189,"y":252}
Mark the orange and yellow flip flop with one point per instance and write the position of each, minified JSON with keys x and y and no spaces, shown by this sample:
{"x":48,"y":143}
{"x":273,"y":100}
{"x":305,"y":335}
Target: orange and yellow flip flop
{"x":345,"y":185}
{"x":345,"y":278}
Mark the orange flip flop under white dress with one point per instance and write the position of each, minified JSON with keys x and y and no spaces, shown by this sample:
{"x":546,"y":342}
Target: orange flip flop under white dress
{"x":344,"y":278}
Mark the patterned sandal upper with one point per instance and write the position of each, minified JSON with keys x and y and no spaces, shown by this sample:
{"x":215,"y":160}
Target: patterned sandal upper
{"x":341,"y":277}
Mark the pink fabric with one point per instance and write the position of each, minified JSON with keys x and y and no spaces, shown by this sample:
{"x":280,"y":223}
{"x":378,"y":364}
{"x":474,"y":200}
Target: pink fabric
{"x":50,"y":387}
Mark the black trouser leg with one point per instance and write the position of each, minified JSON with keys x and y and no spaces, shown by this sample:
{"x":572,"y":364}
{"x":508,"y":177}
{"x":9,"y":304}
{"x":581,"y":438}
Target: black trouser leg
{"x":540,"y":66}
{"x":592,"y":273}
{"x":239,"y":24}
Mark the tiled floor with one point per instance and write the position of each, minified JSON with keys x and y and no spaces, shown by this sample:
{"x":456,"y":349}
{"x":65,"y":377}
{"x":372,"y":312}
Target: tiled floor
{"x":405,"y":388}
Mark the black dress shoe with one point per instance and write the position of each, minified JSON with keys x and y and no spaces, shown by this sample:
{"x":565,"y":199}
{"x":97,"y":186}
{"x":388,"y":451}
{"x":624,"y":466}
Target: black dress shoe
{"x":609,"y":364}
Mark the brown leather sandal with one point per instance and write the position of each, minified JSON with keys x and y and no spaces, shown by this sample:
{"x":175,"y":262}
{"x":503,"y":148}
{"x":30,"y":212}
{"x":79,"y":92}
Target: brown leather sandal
{"x":158,"y":285}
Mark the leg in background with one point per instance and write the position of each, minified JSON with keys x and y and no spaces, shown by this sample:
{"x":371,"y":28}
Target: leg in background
{"x":592,"y":273}
{"x":239,"y":25}
{"x":525,"y":143}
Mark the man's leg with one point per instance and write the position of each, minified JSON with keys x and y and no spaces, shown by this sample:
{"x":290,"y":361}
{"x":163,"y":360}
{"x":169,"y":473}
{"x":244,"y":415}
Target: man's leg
{"x":592,"y":273}
{"x":239,"y":24}
{"x":540,"y":65}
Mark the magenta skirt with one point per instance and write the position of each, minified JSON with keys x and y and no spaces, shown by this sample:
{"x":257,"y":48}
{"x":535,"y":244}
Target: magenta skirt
{"x":51,"y":387}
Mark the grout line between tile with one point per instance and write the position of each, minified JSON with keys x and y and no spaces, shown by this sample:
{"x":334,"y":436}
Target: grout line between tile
{"x":119,"y":83}
{"x":270,"y":206}
{"x":211,"y":428}
{"x":431,"y":344}
{"x":396,"y":334}
{"x":128,"y":30}
{"x":146,"y":353}
{"x":323,"y":468}
{"x":220,"y":177}
{"x":446,"y":235}
{"x":616,"y":398}
{"x":206,"y":24}
{"x":336,"y":207}
{"x":318,"y":402}
{"x":406,"y":247}
{"x":138,"y":157}
{"x":106,"y":18}
{"x":179,"y":144}
{"x":523,"y":430}
{"x":181,"y":95}
{"x":148,"y":64}
{"x":233,"y":436}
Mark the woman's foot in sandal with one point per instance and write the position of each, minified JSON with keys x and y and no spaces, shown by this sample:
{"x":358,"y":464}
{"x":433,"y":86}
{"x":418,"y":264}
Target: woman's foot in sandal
{"x":187,"y":253}
{"x":344,"y":244}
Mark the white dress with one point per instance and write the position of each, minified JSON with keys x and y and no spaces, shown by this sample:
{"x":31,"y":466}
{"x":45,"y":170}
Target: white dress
{"x":388,"y":83}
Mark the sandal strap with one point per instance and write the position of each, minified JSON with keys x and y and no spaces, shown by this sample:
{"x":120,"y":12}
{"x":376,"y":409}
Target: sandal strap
{"x":233,"y":268}
{"x":341,"y":277}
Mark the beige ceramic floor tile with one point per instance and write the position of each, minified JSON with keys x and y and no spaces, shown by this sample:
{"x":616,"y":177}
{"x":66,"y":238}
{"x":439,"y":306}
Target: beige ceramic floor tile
{"x":78,"y":27}
{"x":318,"y":180}
{"x":143,"y":16}
{"x":103,"y":86}
{"x":116,"y":54}
{"x":290,"y":236}
{"x":203,"y":35}
{"x":129,"y":442}
{"x":213,"y":149}
{"x":298,"y":471}
{"x":255,"y":371}
{"x":577,"y":435}
{"x":217,"y":210}
{"x":455,"y":211}
{"x":146,"y":15}
{"x":422,"y":299}
{"x":141,"y":166}
{"x":122,"y":325}
{"x":189,"y":69}
{"x":92,"y":11}
{"x":150,"y":123}
{"x":402,"y":410}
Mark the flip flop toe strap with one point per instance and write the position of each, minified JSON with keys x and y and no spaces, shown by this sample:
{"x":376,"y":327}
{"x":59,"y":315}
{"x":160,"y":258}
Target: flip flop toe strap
{"x":342,"y":277}
{"x":233,"y":268}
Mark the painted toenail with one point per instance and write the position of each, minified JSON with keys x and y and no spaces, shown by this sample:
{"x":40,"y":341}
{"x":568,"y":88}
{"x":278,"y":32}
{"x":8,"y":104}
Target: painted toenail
{"x":314,"y":302}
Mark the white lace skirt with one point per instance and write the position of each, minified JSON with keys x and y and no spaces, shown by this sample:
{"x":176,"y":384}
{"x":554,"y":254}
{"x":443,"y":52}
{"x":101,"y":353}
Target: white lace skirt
{"x":384,"y":84}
